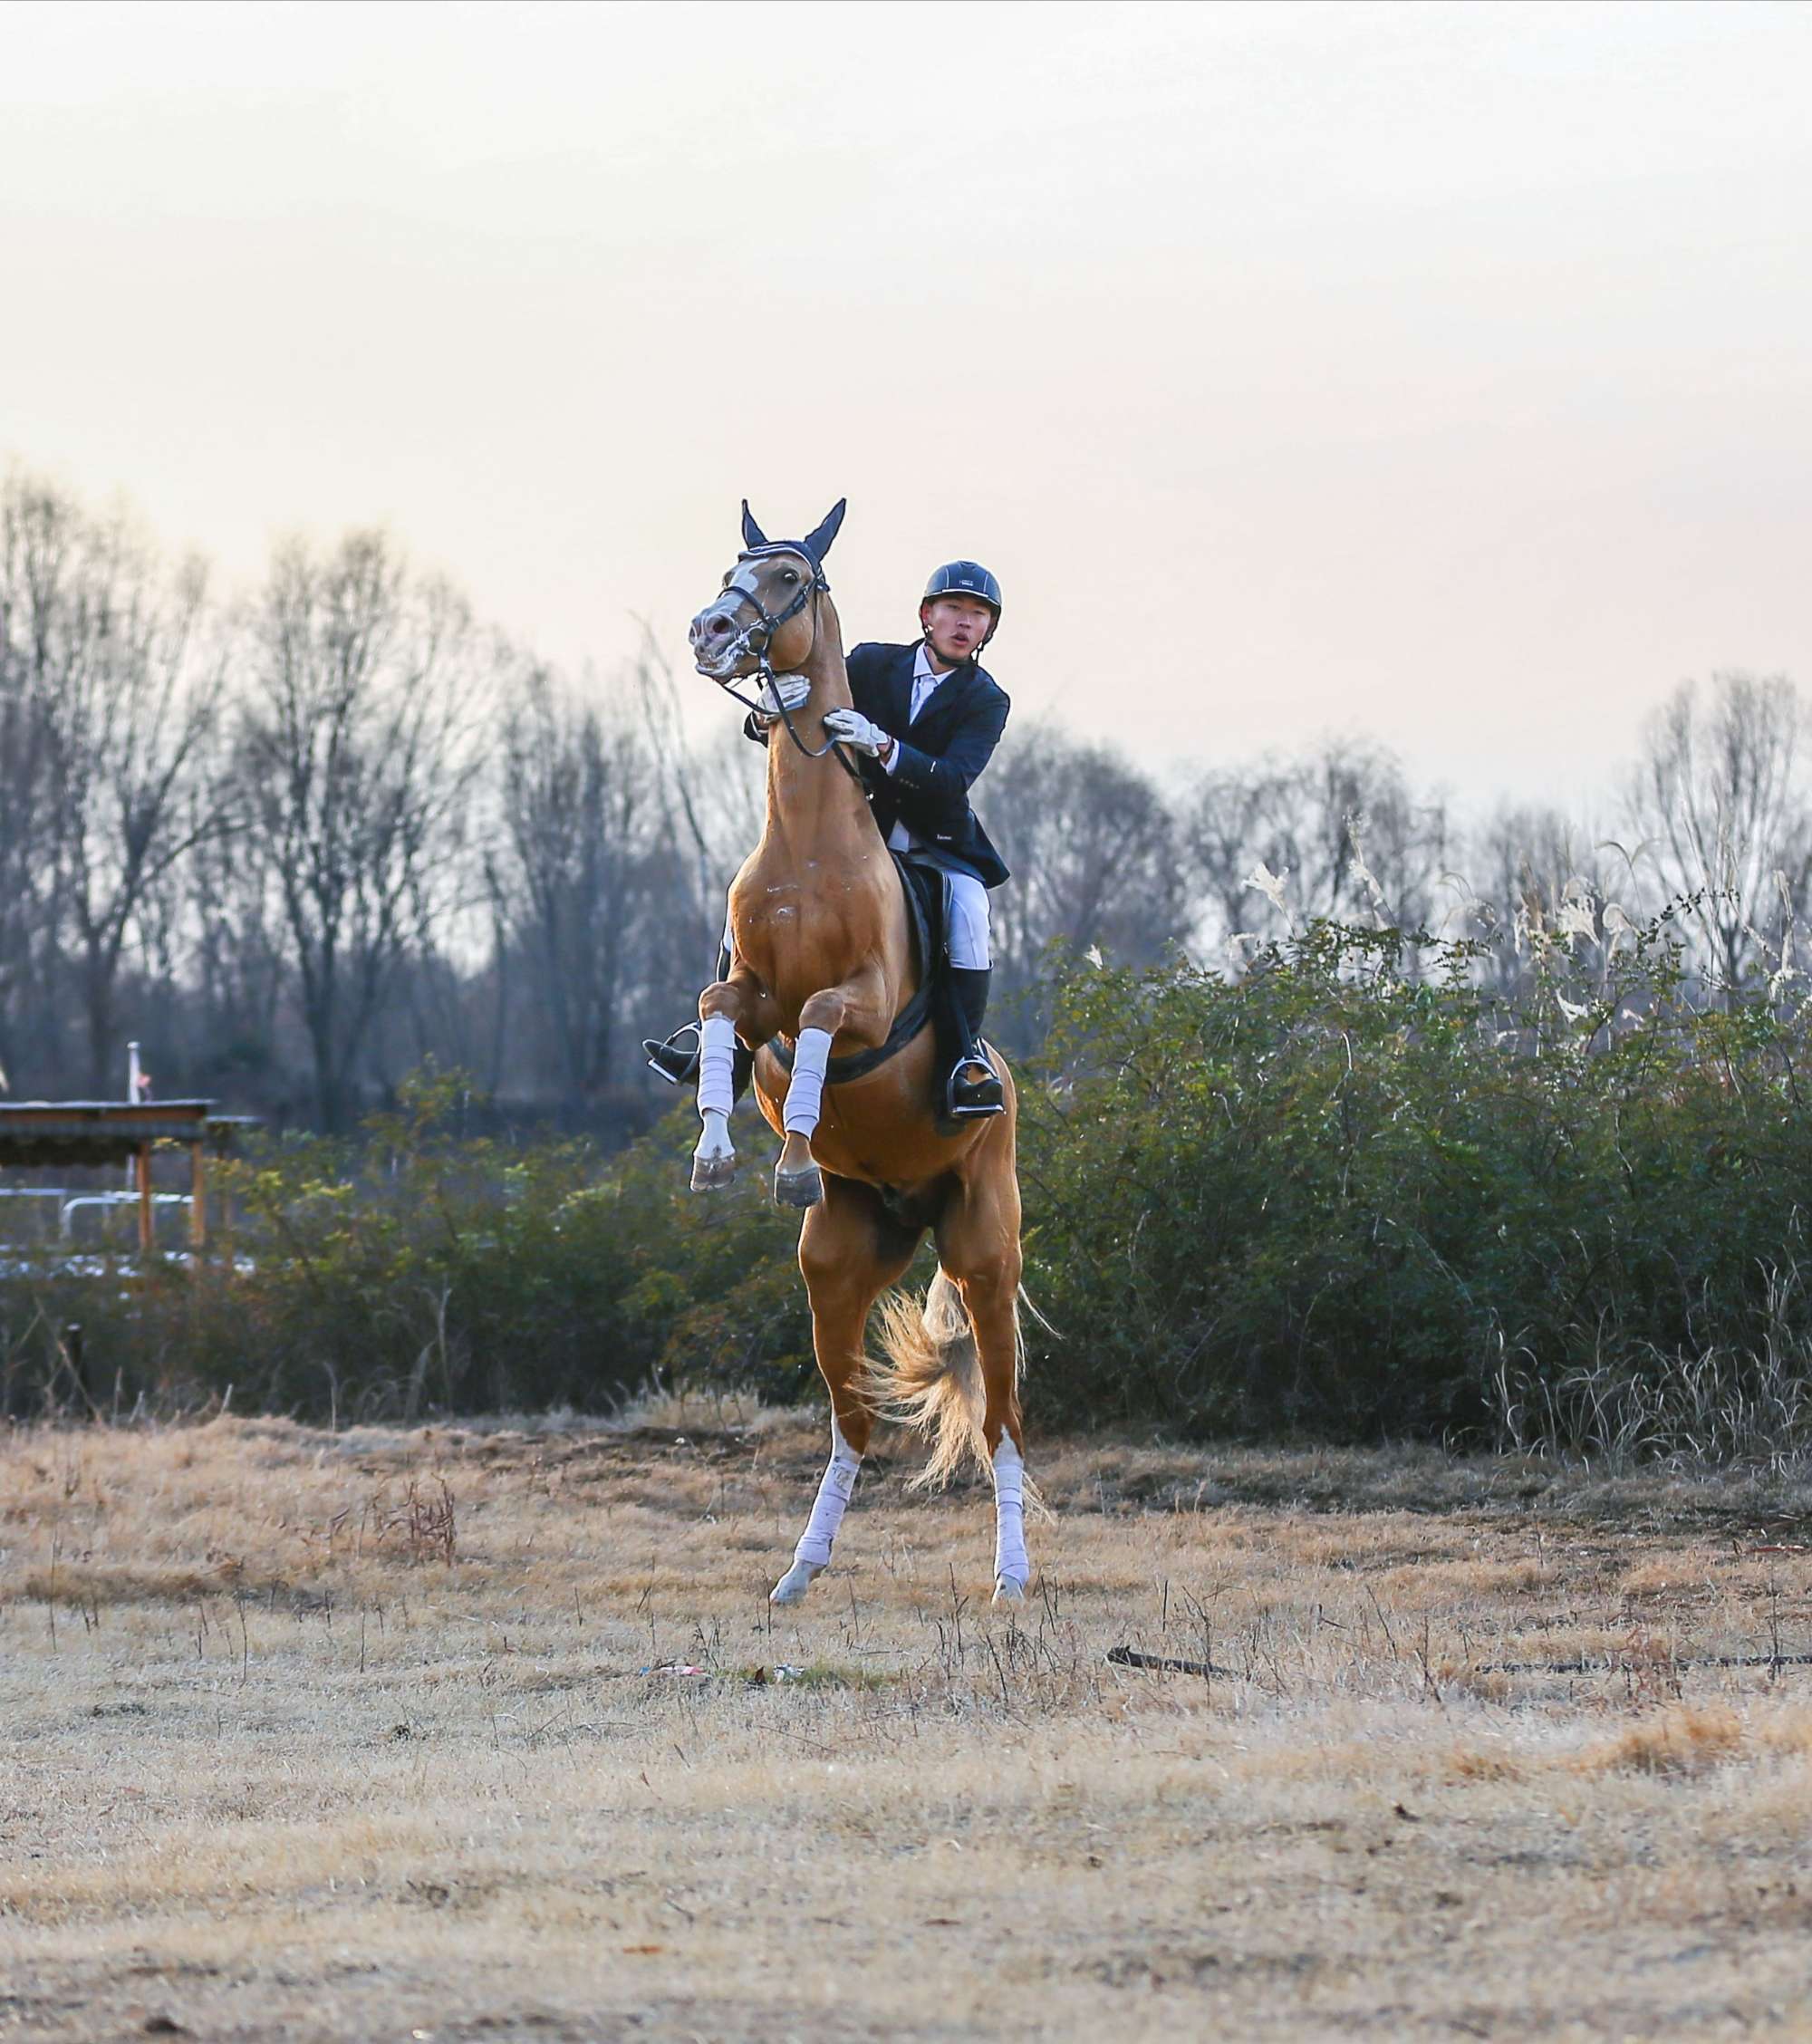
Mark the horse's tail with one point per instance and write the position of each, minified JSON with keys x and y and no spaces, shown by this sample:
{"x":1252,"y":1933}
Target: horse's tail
{"x":930,"y":1379}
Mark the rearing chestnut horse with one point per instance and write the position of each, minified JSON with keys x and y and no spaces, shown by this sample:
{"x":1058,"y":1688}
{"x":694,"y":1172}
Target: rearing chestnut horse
{"x":824,"y":958}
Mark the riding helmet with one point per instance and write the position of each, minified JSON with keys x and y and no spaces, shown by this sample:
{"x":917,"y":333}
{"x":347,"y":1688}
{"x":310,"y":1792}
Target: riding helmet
{"x":966,"y":578}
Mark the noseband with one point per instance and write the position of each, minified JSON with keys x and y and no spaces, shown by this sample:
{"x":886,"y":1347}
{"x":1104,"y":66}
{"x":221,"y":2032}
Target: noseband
{"x":757,"y":637}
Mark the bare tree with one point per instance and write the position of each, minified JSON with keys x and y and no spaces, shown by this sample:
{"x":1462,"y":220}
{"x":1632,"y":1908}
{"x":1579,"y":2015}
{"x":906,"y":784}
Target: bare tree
{"x":1092,"y":850}
{"x":356,"y":762}
{"x":233,"y":920}
{"x":1233,"y":821}
{"x":29,"y":895}
{"x":1719,"y":802}
{"x":1540,"y":885}
{"x":712,"y":803}
{"x":27,"y":876}
{"x":579,"y":799}
{"x":128,"y":696}
{"x":1336,"y":834}
{"x":708,"y":803}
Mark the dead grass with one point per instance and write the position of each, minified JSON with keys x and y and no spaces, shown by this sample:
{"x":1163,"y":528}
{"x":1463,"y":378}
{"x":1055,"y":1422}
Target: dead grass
{"x":489,"y":1732}
{"x":1680,"y":1740}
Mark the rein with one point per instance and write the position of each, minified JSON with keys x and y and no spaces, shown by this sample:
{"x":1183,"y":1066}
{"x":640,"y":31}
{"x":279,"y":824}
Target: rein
{"x":767,"y":625}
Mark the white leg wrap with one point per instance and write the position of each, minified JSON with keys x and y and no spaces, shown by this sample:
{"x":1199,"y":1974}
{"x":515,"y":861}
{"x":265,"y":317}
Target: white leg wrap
{"x":805,"y":1095}
{"x":831,"y":1503}
{"x":1010,"y":1562}
{"x":813,"y":1551}
{"x":716,"y":1066}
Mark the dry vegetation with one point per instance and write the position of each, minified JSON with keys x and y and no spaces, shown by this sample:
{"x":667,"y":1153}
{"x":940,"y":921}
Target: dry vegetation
{"x":490,"y":1734}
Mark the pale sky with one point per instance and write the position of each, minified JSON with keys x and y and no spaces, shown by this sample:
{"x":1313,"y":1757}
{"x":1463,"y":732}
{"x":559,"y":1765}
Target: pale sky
{"x":1442,"y":373}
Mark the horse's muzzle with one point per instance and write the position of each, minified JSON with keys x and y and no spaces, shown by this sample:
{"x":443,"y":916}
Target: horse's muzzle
{"x":717,"y":643}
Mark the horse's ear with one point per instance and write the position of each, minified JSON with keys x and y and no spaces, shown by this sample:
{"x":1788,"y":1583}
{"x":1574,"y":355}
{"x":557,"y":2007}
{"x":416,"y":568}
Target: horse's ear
{"x":752,"y":534}
{"x":818,"y":544}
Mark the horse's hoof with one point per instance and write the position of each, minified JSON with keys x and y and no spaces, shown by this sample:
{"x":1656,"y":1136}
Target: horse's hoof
{"x":798,"y":1188}
{"x":710,"y":1173}
{"x":793,"y":1586}
{"x":1006,"y":1591}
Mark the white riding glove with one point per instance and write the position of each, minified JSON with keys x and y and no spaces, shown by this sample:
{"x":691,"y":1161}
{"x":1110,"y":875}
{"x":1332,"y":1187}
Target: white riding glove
{"x":791,"y":690}
{"x":851,"y":727}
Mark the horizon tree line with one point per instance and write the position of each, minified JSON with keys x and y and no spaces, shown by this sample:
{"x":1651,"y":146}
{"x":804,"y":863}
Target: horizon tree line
{"x":298,"y":841}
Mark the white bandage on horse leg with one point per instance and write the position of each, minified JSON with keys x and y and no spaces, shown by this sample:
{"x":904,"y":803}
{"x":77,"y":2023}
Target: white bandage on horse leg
{"x":831,"y":1503}
{"x":805,"y":1095}
{"x":1010,"y":1562}
{"x":717,"y":1064}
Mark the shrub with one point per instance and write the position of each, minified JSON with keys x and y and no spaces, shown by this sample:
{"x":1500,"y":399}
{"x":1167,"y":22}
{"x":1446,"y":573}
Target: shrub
{"x":1329,"y":1197}
{"x":1334,"y":1197}
{"x":414,"y":1271}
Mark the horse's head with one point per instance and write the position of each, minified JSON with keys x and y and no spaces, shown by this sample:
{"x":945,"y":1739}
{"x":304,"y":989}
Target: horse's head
{"x":767,"y":615}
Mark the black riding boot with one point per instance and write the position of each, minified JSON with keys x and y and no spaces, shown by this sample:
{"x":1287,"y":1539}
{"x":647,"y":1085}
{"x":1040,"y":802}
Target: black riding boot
{"x":974,"y":1086}
{"x":676,"y":1058}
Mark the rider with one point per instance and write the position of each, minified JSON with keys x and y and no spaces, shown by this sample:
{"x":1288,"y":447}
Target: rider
{"x":926,"y":721}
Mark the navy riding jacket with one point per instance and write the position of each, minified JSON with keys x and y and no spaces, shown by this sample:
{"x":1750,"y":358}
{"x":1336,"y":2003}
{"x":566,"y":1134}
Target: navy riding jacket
{"x":940,"y":756}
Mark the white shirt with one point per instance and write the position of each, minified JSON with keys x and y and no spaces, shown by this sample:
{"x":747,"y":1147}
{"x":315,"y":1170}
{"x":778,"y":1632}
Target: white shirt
{"x":925,"y":680}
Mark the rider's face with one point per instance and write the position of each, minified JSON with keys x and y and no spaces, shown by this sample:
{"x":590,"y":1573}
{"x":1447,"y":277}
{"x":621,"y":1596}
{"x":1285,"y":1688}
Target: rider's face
{"x":955,"y":626}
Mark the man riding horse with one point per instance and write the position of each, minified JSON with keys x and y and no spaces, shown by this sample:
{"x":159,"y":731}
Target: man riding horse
{"x":927,"y":717}
{"x":821,"y":1005}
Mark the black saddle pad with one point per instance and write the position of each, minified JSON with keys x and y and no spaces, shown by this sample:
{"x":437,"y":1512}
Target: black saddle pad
{"x":926,"y":891}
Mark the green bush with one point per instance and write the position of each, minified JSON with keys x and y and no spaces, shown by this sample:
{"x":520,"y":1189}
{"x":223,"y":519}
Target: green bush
{"x":412,"y":1271}
{"x":1329,"y":1198}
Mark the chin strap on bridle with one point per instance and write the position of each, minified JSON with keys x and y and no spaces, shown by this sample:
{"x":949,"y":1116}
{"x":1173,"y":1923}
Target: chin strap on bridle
{"x":766,"y":625}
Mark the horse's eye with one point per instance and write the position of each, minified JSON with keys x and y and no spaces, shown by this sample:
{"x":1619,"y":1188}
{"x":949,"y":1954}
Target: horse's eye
{"x":789,"y":576}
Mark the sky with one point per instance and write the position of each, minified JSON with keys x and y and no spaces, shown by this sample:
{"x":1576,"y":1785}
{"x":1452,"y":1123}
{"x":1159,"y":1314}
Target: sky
{"x":1436,"y":374}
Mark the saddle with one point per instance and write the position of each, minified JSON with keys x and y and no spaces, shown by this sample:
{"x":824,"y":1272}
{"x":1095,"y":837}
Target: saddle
{"x":927,"y":916}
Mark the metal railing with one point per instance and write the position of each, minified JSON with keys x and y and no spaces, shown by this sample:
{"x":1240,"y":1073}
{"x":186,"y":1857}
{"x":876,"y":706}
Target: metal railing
{"x":66,"y":1215}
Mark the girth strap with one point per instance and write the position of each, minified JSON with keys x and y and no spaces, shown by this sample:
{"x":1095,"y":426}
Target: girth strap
{"x":907,"y":1024}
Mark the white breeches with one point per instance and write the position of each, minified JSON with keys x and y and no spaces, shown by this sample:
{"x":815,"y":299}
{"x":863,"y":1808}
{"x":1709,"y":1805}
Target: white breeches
{"x":969,"y":924}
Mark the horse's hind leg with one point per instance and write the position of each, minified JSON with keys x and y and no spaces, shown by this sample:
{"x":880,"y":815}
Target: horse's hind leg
{"x":850,"y":1251}
{"x":978,"y":1246}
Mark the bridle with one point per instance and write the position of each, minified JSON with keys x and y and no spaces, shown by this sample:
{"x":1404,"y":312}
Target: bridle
{"x":757,"y":637}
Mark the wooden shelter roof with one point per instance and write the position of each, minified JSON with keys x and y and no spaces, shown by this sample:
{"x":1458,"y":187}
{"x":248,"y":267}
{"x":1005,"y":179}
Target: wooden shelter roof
{"x":107,"y":1131}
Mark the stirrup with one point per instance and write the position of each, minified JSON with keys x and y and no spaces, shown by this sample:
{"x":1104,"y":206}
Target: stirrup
{"x":969,"y":1099}
{"x":671,"y":1058}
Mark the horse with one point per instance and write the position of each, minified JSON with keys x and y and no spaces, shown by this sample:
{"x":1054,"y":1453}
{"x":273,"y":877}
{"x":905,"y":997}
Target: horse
{"x":823,"y":959}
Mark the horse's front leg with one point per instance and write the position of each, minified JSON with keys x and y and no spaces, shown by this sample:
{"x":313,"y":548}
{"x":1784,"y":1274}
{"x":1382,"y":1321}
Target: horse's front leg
{"x":727,"y":1009}
{"x":797,"y":1182}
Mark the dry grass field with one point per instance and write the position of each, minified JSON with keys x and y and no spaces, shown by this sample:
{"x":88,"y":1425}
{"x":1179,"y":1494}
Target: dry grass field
{"x":483,"y":1734}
